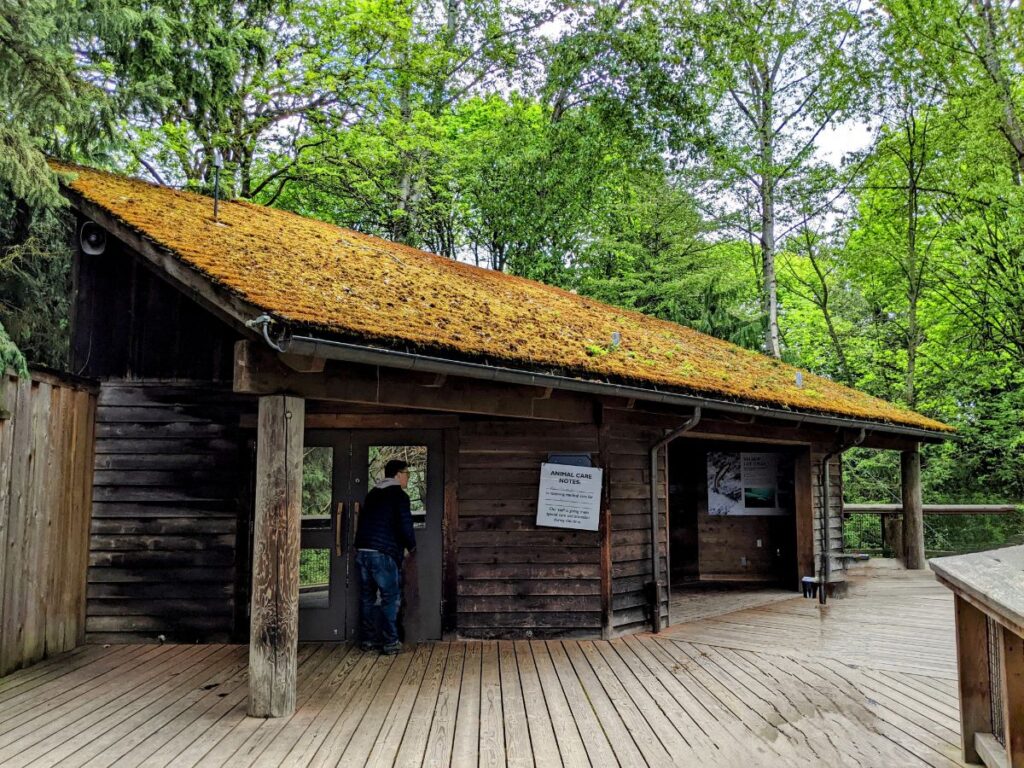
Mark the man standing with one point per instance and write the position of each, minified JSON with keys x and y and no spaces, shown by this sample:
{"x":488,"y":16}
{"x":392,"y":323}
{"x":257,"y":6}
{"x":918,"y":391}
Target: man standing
{"x":384,"y":534}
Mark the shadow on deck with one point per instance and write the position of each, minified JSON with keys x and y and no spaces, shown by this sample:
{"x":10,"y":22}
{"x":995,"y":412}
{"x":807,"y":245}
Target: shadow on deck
{"x":870,"y":680}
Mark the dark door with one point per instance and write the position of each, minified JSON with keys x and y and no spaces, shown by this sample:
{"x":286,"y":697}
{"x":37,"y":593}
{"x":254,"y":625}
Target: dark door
{"x":339,"y":468}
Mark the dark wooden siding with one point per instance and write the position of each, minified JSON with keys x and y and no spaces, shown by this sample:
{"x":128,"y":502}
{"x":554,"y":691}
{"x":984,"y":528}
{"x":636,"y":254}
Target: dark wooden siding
{"x":835,"y":517}
{"x":167,"y":552}
{"x":628,"y":472}
{"x":130,"y":323}
{"x":514,"y":579}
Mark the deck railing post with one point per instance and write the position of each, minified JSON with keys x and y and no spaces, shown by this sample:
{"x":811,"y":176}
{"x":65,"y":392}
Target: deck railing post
{"x":913,"y":510}
{"x":972,"y":663}
{"x":274,"y":622}
{"x":1012,"y":653}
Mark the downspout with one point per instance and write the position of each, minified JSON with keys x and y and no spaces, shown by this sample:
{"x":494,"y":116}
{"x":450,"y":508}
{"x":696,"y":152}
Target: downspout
{"x":689,"y":424}
{"x":825,"y":566}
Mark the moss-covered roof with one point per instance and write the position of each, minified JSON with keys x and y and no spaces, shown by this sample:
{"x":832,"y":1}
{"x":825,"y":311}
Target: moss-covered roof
{"x":322,"y":277}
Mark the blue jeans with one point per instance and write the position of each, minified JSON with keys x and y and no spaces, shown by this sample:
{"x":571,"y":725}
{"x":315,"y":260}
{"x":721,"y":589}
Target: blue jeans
{"x":378,"y":573}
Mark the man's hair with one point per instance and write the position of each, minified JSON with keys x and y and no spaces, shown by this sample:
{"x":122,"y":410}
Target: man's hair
{"x":395,"y":466}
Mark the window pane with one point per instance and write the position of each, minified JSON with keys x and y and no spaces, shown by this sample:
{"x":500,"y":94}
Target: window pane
{"x":416,"y":457}
{"x":317,"y":486}
{"x":314,"y":578}
{"x":314,"y":568}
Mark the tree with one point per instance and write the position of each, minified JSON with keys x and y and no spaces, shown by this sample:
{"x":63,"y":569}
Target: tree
{"x":783,"y":72}
{"x":46,"y":107}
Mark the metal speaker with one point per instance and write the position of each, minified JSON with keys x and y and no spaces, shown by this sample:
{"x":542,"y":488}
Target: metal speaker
{"x":92,"y":238}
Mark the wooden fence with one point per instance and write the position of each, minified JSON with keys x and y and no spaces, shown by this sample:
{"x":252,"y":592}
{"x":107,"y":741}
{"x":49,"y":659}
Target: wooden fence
{"x":46,"y":467}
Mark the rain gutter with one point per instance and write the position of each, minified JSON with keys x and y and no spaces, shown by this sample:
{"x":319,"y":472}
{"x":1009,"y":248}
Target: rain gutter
{"x":354,"y":353}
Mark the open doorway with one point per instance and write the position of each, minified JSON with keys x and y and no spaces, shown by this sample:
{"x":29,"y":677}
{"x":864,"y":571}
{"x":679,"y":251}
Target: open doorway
{"x":732,"y":527}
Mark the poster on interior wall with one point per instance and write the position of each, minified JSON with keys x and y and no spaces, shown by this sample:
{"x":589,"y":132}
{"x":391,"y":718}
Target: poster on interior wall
{"x":569,"y":497}
{"x":747,"y":484}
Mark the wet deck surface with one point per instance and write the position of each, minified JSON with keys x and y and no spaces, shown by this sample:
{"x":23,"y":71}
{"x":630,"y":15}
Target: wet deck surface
{"x":870,"y":680}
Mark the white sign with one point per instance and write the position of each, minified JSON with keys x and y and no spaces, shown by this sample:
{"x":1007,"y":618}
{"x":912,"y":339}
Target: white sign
{"x":744,"y":484}
{"x":570,"y":497}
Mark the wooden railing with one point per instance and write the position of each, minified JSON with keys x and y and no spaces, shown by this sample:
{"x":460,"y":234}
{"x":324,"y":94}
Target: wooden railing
{"x":890,"y":518}
{"x":988,"y":590}
{"x":46,"y":463}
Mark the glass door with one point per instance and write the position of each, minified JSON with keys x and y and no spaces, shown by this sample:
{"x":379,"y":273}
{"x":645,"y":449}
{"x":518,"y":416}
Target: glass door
{"x":325,"y":539}
{"x":420,"y":614}
{"x":339,"y":468}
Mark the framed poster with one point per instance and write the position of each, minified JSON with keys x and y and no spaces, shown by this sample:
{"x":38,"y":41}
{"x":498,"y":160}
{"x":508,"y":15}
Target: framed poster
{"x":746,"y":483}
{"x":569,"y":497}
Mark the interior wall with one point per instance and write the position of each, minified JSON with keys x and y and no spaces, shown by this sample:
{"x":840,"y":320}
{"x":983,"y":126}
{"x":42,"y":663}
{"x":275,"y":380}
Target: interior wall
{"x":705,"y":547}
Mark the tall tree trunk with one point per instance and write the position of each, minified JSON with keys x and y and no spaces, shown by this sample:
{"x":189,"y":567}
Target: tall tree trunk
{"x":771,"y":287}
{"x":913,"y":286}
{"x":766,"y":133}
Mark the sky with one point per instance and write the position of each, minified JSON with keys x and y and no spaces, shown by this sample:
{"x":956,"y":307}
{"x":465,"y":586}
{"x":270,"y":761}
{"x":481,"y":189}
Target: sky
{"x":835,"y":142}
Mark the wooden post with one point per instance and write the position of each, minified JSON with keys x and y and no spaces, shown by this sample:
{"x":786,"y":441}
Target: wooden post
{"x":274,"y":628}
{"x":1013,"y":697}
{"x":450,"y":528}
{"x":975,"y":686}
{"x":605,"y":533}
{"x":913,"y":512}
{"x":892,"y":536}
{"x":803,"y":499}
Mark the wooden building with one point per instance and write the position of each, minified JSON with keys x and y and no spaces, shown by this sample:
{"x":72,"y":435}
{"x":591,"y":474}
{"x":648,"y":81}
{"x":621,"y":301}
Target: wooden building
{"x":257,"y":369}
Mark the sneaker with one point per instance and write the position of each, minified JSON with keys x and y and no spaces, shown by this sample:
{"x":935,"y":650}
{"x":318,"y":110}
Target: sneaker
{"x":367,"y":647}
{"x":391,"y":649}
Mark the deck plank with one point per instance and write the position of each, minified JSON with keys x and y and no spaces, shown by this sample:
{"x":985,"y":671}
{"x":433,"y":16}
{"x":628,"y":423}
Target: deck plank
{"x":868,"y":681}
{"x":466,"y":745}
{"x":437,"y":751}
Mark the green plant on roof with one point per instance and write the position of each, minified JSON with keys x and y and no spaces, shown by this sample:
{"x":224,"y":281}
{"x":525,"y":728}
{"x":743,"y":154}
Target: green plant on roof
{"x":596,"y":350}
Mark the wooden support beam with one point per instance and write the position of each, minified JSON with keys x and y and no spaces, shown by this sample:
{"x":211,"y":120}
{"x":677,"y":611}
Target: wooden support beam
{"x":604,"y":460}
{"x":303,"y":363}
{"x":975,"y":688}
{"x":274,"y":629}
{"x":259,"y":372}
{"x":450,"y":528}
{"x":803,"y":498}
{"x":1013,"y":696}
{"x":913,"y":511}
{"x":368,"y":421}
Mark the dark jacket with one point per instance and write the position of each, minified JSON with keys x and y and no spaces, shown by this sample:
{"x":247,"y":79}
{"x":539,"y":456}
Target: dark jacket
{"x":385,"y":523}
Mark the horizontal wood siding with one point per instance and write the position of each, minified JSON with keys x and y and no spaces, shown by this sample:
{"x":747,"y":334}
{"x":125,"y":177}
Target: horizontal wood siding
{"x":167,"y":553}
{"x":835,"y":517}
{"x":630,"y":500}
{"x":514,"y":579}
{"x":45,"y":488}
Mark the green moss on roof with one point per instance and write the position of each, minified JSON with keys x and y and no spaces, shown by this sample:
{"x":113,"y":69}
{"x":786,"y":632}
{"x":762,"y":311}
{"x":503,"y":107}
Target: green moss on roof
{"x":313,"y":274}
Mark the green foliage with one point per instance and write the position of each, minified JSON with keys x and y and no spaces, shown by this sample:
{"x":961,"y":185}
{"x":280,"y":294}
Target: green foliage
{"x":658,"y":156}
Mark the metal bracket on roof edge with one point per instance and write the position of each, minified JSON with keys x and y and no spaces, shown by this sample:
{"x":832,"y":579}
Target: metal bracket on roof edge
{"x":280,"y":343}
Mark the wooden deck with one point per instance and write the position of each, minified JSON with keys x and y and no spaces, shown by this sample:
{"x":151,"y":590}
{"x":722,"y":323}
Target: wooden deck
{"x":868,"y":681}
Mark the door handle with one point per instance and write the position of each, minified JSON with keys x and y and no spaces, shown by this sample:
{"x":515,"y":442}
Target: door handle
{"x":339,"y":522}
